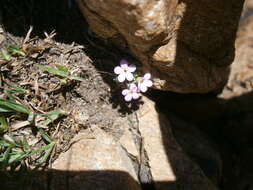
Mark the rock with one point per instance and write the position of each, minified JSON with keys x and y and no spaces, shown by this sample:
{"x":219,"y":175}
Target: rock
{"x":241,"y":76}
{"x":248,"y":5}
{"x":199,"y":147}
{"x":94,"y":161}
{"x":170,"y":167}
{"x":187,"y":45}
{"x":237,"y":93}
{"x":127,"y":142}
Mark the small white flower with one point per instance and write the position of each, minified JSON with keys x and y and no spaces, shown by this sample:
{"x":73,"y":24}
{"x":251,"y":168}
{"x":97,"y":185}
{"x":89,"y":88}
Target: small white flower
{"x":145,"y":82}
{"x":131,"y":93}
{"x":125,"y":71}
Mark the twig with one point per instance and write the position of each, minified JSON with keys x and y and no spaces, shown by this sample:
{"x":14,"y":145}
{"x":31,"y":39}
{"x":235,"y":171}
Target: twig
{"x":28,"y":34}
{"x":56,"y":130}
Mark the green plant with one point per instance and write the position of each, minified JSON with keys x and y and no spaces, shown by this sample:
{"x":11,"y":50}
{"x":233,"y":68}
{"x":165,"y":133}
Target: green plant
{"x":14,"y":151}
{"x":11,"y":51}
{"x":60,"y":71}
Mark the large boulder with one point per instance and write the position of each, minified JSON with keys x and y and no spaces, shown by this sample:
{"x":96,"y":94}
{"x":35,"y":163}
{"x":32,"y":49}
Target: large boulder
{"x":187,"y":45}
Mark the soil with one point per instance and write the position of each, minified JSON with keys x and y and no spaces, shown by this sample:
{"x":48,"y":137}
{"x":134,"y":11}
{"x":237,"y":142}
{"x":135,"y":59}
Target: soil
{"x":96,"y":101}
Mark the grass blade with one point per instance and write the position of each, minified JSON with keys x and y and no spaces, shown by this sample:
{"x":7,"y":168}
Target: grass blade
{"x":10,"y":106}
{"x":25,"y":144}
{"x":4,"y":158}
{"x":62,"y":68}
{"x":3,"y":143}
{"x":45,"y":136}
{"x":16,"y":90}
{"x":3,"y":124}
{"x":15,"y":50}
{"x":77,"y":78}
{"x":52,"y":116}
{"x":17,"y":156}
{"x":51,"y":70}
{"x":31,"y":116}
{"x":5,"y":56}
{"x":47,"y":152}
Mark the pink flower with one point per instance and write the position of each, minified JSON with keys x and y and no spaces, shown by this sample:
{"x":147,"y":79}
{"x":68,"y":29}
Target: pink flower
{"x":145,"y":82}
{"x":124,"y":71}
{"x":131,"y":93}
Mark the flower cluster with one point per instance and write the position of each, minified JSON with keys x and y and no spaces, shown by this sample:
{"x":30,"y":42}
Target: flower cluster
{"x":135,"y":84}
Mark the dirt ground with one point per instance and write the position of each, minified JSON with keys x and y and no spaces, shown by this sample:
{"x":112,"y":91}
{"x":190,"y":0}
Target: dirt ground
{"x":96,"y":100}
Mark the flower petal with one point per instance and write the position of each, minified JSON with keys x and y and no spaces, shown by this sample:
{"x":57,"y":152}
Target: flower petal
{"x":118,"y":70}
{"x":125,"y":92}
{"x":133,"y":87}
{"x":143,"y":88}
{"x":122,"y":77}
{"x":135,"y":95}
{"x":129,"y":76}
{"x":128,"y":97}
{"x":131,"y":68}
{"x":124,"y":64}
{"x":147,"y":76}
{"x":148,"y":83}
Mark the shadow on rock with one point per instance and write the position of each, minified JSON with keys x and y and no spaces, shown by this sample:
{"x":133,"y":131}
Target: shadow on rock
{"x":200,"y":41}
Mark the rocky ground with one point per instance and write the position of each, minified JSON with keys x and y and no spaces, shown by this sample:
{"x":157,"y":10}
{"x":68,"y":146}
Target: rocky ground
{"x":163,"y":141}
